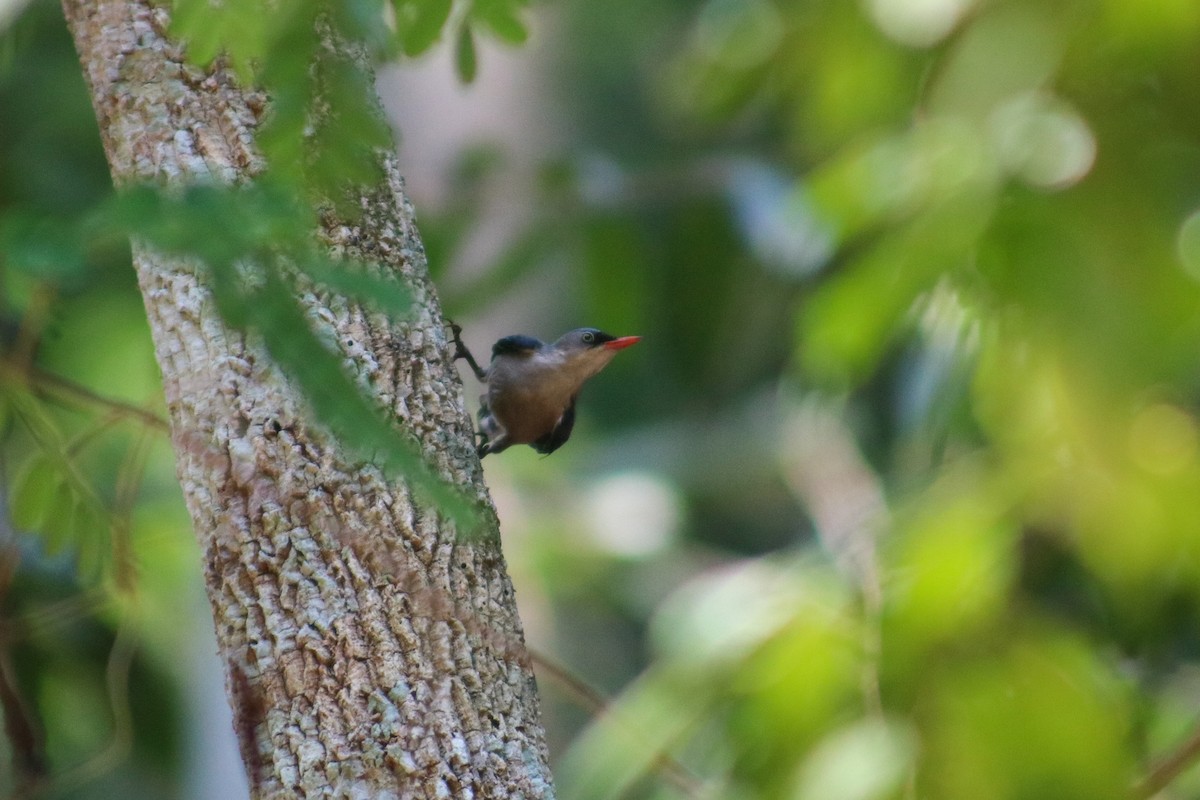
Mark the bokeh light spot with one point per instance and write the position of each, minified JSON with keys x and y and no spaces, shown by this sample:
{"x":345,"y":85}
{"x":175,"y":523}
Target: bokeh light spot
{"x":1043,"y":141}
{"x":633,"y":513}
{"x":862,"y":761}
{"x":919,"y":23}
{"x":1188,"y":244}
{"x":1163,"y":439}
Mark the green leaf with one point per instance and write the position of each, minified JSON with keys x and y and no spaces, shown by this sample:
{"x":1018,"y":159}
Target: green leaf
{"x":362,"y":20}
{"x":242,"y":30}
{"x":56,"y":525}
{"x":34,"y":490}
{"x":130,"y":208}
{"x":42,"y":246}
{"x":420,"y":23}
{"x":500,"y":17}
{"x":287,"y":72}
{"x":91,"y":534}
{"x":349,"y":137}
{"x":191,"y":21}
{"x":383,"y":293}
{"x":464,"y":54}
{"x":247,"y":31}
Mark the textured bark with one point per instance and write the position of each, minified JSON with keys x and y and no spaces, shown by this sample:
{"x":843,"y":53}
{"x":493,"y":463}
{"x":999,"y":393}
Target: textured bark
{"x":367,"y":654}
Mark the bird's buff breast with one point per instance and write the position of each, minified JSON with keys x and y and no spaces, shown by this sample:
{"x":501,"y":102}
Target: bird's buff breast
{"x":526,"y":413}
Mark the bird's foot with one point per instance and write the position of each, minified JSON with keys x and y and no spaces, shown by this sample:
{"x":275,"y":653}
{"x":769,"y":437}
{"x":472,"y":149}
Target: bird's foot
{"x":461,"y":351}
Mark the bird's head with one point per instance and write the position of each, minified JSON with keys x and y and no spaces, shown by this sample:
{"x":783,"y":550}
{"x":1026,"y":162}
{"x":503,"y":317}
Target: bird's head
{"x":586,"y":351}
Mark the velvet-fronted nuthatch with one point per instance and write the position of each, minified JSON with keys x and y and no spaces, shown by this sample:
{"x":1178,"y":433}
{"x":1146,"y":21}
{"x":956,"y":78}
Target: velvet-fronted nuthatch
{"x":532,"y":386}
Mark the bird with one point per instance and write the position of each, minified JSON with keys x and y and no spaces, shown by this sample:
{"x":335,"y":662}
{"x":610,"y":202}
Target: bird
{"x":532,"y":386}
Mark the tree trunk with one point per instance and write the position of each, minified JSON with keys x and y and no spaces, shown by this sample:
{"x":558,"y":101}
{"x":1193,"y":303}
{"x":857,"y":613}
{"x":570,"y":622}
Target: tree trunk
{"x":367,"y":654}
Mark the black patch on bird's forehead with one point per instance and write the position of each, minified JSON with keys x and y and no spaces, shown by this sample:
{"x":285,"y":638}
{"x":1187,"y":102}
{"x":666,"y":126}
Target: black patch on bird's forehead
{"x":514,"y":345}
{"x":599,"y":337}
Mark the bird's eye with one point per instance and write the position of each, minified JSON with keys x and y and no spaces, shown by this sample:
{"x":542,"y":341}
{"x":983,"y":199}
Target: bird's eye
{"x":589,"y":337}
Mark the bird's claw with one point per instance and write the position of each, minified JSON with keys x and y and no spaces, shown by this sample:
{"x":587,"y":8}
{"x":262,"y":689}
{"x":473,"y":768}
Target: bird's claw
{"x":461,"y":351}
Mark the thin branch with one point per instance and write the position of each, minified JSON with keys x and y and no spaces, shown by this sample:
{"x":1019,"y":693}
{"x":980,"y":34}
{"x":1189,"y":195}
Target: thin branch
{"x":129,"y":482}
{"x":68,"y":389}
{"x":29,"y":332}
{"x":116,"y":678}
{"x":58,"y":613}
{"x":21,"y":727}
{"x":25,"y":739}
{"x":1169,"y":767}
{"x":120,"y":658}
{"x":588,"y":697}
{"x":596,"y":703}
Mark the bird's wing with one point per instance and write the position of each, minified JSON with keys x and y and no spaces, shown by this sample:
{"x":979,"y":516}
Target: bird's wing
{"x":562,"y":431}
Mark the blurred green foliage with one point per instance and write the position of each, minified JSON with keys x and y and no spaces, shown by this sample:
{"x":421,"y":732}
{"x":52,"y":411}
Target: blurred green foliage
{"x":89,"y":493}
{"x":914,"y":419}
{"x":1009,"y":314}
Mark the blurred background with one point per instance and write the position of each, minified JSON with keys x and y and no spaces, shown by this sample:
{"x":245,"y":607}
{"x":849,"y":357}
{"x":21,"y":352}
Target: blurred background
{"x":898,"y":497}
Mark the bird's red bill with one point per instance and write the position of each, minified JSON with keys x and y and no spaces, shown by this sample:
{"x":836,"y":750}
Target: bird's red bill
{"x":622,"y":342}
